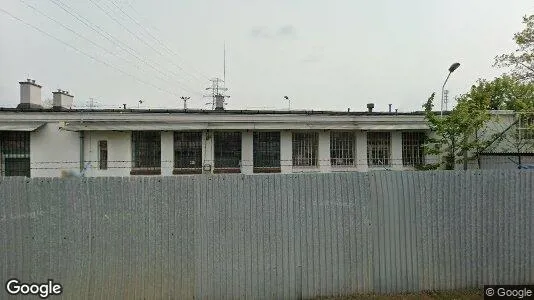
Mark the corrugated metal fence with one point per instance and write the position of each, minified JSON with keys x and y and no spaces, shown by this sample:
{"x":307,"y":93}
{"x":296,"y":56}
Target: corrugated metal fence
{"x":268,"y":236}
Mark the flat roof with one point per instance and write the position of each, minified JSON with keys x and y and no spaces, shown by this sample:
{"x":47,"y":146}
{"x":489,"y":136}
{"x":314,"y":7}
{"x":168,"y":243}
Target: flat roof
{"x":210,"y":111}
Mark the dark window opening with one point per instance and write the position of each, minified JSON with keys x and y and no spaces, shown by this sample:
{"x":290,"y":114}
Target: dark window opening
{"x":412,"y":148}
{"x":14,"y":153}
{"x":103,"y":155}
{"x":227,"y":147}
{"x":342,"y":148}
{"x":187,"y":153}
{"x":379,"y":149}
{"x":266,"y":152}
{"x":146,"y":150}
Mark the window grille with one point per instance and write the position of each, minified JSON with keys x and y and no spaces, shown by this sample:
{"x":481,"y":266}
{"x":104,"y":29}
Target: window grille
{"x":188,"y":152}
{"x":305,"y":149}
{"x":266,"y":152}
{"x":342,"y":148}
{"x":146,"y":150}
{"x":227,"y":152}
{"x":526,"y":126}
{"x":412,"y":148}
{"x":14,"y":153}
{"x":103,"y":155}
{"x":378,"y":149}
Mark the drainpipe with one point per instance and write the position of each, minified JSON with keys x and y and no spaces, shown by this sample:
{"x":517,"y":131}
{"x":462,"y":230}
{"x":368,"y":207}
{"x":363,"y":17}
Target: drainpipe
{"x":82,"y":138}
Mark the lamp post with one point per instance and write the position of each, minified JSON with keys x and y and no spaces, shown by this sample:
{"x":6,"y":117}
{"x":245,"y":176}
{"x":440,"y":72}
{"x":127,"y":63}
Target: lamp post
{"x":185,"y":101}
{"x":453,"y":67}
{"x":287,"y":98}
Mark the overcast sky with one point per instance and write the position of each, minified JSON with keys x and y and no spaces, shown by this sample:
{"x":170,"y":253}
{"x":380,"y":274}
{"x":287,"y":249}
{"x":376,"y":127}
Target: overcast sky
{"x":327,"y":55}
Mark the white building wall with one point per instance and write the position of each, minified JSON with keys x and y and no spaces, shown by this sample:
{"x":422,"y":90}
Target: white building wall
{"x":167,"y":153}
{"x":286,"y":151}
{"x":247,"y":156}
{"x":208,"y":155}
{"x":324,"y":151}
{"x":119,"y":153}
{"x":53,"y":150}
{"x":361,"y":151}
{"x":396,"y":150}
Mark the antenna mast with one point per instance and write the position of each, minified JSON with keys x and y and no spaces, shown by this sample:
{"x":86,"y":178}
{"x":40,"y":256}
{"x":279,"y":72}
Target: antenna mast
{"x":218,"y":88}
{"x":217,"y":94}
{"x":224,"y":65}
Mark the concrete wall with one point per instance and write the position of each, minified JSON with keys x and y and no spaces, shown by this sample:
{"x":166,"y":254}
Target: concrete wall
{"x":119,"y":153}
{"x":52,"y":151}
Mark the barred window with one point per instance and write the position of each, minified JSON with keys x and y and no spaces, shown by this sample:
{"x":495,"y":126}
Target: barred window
{"x":305,"y":149}
{"x":227,"y":152}
{"x":526,"y":126}
{"x":266,"y":152}
{"x":188,"y":152}
{"x":14,"y":153}
{"x":103,"y":155}
{"x":378,"y":149}
{"x":412,"y":148}
{"x":146,"y":150}
{"x":342,"y":148}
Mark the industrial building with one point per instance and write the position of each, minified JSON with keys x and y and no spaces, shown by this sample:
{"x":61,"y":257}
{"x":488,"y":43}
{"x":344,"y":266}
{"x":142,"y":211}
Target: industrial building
{"x":48,"y":142}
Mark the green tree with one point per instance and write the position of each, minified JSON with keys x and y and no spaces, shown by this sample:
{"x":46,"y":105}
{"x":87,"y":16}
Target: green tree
{"x":456,"y":135}
{"x":506,"y":92}
{"x":521,"y":61}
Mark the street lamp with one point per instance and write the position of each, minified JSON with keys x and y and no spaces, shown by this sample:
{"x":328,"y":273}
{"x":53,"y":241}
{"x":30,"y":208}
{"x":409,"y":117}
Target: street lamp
{"x":185,"y":101}
{"x":453,"y":67}
{"x":287,"y":98}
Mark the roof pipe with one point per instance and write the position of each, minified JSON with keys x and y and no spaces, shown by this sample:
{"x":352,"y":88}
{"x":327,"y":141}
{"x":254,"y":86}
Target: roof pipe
{"x":82,"y":147}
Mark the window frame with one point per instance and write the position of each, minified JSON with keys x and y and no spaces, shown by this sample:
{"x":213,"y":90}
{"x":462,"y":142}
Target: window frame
{"x":103,"y":161}
{"x":348,"y":140}
{"x":151,"y":164}
{"x":311,"y":139}
{"x":220,"y":164}
{"x":526,"y":126}
{"x":265,"y":147}
{"x":193,"y":150}
{"x":15,"y":150}
{"x":412,"y":148}
{"x":374,"y":146}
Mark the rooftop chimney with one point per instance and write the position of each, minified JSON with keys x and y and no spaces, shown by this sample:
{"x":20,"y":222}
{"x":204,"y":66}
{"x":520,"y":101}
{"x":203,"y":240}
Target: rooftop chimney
{"x":370,"y":107}
{"x":30,"y":94}
{"x":62,"y":99}
{"x":219,"y":102}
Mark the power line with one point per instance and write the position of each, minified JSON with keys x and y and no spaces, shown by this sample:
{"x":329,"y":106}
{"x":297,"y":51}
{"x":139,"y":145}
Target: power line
{"x":86,"y":39}
{"x":161,"y":43}
{"x":86,"y":54}
{"x":136,"y":36}
{"x":173,"y":53}
{"x":115,"y":41}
